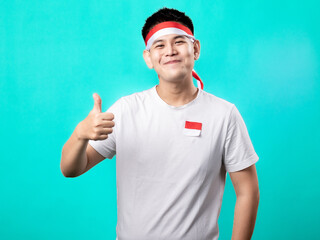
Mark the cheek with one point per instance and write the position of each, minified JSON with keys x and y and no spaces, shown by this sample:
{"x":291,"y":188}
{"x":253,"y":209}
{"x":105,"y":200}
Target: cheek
{"x":188,"y":52}
{"x":155,"y":58}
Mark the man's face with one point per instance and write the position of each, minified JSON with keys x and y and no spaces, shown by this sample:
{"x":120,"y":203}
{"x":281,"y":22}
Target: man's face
{"x":172,"y":56}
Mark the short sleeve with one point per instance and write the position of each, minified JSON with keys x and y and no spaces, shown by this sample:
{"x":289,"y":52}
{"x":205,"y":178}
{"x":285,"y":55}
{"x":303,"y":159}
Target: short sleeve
{"x":238,"y":149}
{"x":107,"y":147}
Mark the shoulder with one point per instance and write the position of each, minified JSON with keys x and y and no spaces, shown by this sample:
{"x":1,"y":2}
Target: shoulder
{"x":136,"y":96}
{"x":136,"y":99}
{"x":225,"y":109}
{"x":216,"y":104}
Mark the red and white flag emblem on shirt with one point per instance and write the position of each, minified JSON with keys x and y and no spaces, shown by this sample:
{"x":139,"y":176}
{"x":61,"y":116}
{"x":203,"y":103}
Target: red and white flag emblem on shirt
{"x":192,"y":128}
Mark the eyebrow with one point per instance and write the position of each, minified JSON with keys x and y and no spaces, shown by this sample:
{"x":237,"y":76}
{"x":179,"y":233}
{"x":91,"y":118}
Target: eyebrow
{"x":161,"y":40}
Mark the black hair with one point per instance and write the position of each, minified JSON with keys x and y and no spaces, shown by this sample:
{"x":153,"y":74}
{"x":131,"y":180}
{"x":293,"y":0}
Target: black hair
{"x":163,"y":15}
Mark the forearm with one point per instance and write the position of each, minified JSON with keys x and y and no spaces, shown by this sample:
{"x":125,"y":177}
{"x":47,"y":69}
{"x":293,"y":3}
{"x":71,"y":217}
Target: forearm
{"x":245,"y":216}
{"x":74,"y":157}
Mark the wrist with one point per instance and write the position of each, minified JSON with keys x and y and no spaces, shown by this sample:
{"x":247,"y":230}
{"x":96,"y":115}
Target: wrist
{"x":79,"y":132}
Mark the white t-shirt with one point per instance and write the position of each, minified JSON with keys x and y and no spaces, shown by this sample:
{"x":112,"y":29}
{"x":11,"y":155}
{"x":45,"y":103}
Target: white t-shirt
{"x":171,"y":174}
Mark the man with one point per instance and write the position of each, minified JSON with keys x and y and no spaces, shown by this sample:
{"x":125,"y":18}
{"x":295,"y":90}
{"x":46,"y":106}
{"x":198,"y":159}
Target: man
{"x":174,"y":144}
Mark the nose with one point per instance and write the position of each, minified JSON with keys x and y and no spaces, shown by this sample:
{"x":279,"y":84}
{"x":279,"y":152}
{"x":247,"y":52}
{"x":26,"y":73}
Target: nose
{"x":170,"y":50}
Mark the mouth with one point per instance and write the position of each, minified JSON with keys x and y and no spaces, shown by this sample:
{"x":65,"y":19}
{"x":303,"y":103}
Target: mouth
{"x":172,"y":62}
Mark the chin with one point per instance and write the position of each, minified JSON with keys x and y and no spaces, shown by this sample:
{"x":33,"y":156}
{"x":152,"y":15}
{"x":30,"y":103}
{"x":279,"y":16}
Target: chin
{"x":174,"y":73}
{"x":173,"y":80}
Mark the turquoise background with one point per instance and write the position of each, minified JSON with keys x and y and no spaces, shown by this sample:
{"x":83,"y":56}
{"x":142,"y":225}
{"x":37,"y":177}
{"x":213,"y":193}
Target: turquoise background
{"x":262,"y":56}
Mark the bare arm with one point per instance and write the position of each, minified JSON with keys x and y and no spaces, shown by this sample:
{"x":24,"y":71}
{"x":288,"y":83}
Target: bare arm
{"x":245,"y":183}
{"x":74,"y":158}
{"x":77,"y":155}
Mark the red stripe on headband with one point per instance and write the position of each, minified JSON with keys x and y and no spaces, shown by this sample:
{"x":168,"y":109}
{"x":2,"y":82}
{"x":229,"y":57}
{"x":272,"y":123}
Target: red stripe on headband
{"x":167,"y":25}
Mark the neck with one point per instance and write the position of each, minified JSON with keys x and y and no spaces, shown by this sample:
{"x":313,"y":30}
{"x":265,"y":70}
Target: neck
{"x":177,"y":93}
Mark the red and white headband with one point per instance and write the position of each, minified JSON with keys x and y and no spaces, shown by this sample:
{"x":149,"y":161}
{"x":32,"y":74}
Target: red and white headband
{"x":166,"y":28}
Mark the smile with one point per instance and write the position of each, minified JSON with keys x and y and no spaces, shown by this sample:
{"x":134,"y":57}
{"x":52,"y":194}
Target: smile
{"x":172,"y":62}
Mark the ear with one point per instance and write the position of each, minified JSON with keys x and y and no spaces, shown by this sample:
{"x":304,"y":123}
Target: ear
{"x":196,"y":48}
{"x":147,"y":58}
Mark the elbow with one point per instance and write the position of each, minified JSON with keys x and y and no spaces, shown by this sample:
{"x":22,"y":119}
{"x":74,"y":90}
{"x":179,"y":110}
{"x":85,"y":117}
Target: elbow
{"x":65,"y":170}
{"x":255,"y":196}
{"x":69,"y":175}
{"x":66,"y":173}
{"x":256,"y":193}
{"x":252,"y":195}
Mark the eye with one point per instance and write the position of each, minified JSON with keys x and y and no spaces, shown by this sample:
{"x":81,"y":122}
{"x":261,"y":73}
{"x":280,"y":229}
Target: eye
{"x":180,"y":42}
{"x":161,"y":45}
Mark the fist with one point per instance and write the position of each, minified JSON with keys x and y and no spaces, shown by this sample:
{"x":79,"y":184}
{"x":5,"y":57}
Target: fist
{"x":97,"y":125}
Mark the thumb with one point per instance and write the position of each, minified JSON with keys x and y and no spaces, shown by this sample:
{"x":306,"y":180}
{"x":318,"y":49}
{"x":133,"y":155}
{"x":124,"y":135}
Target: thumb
{"x":97,"y":102}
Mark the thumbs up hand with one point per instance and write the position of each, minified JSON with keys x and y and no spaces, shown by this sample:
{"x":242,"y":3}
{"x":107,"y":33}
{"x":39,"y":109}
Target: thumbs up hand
{"x":97,"y":125}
